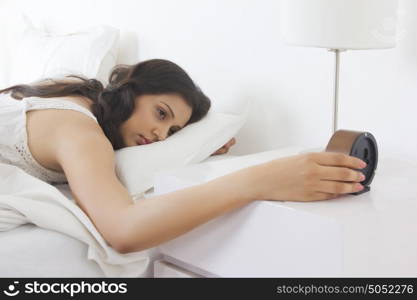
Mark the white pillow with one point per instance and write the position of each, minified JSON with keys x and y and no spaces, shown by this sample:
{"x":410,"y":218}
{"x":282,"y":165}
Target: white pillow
{"x":137,"y":166}
{"x":91,"y":52}
{"x":11,"y":29}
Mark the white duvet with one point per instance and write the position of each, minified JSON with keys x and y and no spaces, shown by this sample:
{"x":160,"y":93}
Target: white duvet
{"x":26,"y":199}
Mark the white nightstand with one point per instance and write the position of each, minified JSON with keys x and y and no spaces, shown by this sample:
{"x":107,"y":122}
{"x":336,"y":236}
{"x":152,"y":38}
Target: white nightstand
{"x":369,"y":235}
{"x":166,"y":269}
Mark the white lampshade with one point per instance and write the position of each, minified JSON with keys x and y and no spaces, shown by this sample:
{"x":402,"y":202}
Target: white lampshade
{"x":340,"y":24}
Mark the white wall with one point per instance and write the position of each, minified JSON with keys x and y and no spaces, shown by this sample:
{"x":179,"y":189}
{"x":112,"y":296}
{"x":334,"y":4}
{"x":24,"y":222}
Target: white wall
{"x":233,"y":50}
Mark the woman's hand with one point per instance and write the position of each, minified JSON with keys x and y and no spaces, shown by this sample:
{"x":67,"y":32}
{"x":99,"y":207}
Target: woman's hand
{"x":225,"y":148}
{"x":308,"y":177}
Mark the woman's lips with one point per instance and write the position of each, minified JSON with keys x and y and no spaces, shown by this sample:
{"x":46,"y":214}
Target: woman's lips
{"x":142,"y":140}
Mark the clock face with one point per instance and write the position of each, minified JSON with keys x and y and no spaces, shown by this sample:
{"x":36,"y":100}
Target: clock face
{"x":359,"y":144}
{"x":366,"y":149}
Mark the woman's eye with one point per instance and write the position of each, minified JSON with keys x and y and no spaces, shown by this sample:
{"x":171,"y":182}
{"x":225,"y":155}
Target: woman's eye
{"x":164,"y":113}
{"x":171,"y":132}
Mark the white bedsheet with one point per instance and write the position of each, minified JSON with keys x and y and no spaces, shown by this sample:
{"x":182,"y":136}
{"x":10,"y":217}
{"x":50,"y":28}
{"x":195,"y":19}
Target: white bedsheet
{"x":39,"y":244}
{"x":25,"y":199}
{"x":31,"y":251}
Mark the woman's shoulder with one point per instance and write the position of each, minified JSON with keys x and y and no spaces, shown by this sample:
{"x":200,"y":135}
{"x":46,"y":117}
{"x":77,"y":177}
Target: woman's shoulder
{"x":55,"y":119}
{"x":65,"y":128}
{"x":80,"y":142}
{"x":82,"y":101}
{"x":71,"y":121}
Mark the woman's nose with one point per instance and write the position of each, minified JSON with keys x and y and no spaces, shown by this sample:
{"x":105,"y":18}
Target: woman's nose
{"x":162,"y":133}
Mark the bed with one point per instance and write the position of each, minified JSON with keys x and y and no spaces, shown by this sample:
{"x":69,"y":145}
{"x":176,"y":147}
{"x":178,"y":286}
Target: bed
{"x":31,"y":251}
{"x":91,"y":50}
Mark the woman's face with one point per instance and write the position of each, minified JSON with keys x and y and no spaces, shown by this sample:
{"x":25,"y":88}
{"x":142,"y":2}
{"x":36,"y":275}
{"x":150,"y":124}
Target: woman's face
{"x":155,"y":117}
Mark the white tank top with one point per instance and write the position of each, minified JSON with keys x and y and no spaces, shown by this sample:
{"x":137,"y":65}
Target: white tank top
{"x":13,"y":135}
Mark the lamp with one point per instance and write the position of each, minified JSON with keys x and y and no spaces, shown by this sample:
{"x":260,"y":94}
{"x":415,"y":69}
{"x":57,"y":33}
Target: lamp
{"x":339,"y":25}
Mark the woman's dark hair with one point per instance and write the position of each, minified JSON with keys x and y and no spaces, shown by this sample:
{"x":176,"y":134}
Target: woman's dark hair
{"x":114,"y":104}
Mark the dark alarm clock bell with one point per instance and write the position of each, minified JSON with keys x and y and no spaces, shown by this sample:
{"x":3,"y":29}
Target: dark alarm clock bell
{"x":361,"y":145}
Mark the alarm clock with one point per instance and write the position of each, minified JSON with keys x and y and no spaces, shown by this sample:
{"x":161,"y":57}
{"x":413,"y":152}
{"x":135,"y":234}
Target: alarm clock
{"x":358,"y":144}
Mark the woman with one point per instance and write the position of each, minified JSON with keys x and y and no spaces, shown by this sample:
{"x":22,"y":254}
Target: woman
{"x":145,"y":103}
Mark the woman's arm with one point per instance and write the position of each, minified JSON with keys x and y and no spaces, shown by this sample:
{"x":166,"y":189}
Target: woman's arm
{"x":307,"y":177}
{"x":89,"y":163}
{"x":157,"y":219}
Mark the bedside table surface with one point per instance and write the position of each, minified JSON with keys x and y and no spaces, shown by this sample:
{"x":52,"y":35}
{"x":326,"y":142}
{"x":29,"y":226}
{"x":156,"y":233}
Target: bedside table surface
{"x":372,"y":234}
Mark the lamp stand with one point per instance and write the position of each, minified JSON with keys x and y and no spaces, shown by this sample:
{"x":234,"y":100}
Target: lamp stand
{"x":336,"y":87}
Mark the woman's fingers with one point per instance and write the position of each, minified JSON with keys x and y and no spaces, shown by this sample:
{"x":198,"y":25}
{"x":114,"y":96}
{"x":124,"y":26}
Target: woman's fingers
{"x":226,"y":147}
{"x":337,"y":173}
{"x":229,"y":143}
{"x":337,"y":187}
{"x":338,"y":159}
{"x":220,"y":151}
{"x":341,"y":174}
